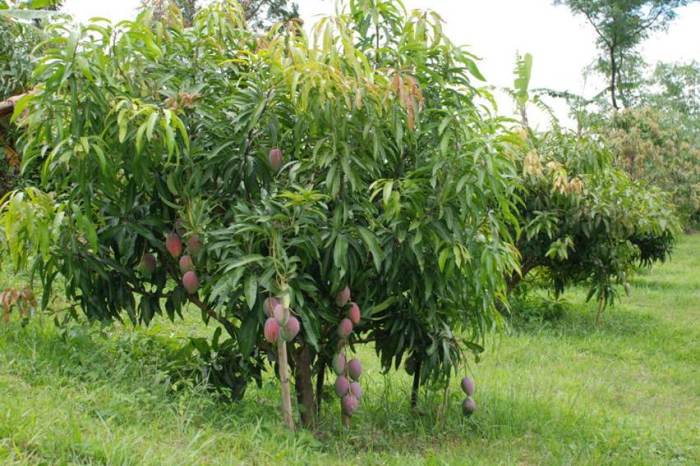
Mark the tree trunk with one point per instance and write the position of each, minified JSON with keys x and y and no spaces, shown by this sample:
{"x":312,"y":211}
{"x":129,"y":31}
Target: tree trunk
{"x":284,"y":383}
{"x":601,"y":306}
{"x":416,"y":384}
{"x":621,"y":94}
{"x":613,"y":78}
{"x":320,"y":381}
{"x":304,"y":386}
{"x":515,"y":279}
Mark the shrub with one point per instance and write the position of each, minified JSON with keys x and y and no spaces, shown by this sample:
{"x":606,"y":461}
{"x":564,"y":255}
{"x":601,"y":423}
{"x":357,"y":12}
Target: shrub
{"x":583,"y":221}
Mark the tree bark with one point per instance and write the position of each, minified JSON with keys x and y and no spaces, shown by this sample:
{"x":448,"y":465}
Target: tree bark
{"x":304,"y":386}
{"x":514,"y":280}
{"x":8,"y":106}
{"x":613,"y":78}
{"x":320,"y":381}
{"x":228,"y":326}
{"x":284,"y":383}
{"x":601,"y":306}
{"x":416,"y":384}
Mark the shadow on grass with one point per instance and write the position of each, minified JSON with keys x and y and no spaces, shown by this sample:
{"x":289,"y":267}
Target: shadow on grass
{"x":92,"y":361}
{"x":125,"y":368}
{"x":557,"y":432}
{"x":647,"y":332}
{"x":537,"y":314}
{"x":647,"y":283}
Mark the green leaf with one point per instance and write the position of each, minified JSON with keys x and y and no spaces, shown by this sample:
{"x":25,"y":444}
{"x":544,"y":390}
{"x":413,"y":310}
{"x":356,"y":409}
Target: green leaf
{"x":252,"y":258}
{"x":248,"y":333}
{"x":474,"y":70}
{"x":386,"y":192}
{"x":442,"y":259}
{"x":151,"y":124}
{"x":373,"y":244}
{"x":20,"y":106}
{"x":251,"y":290}
{"x":340,"y":251}
{"x":312,"y":328}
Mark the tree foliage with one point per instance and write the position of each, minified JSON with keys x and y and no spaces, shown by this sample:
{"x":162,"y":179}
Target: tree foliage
{"x":581,"y":220}
{"x":21,"y":31}
{"x":621,"y":25}
{"x":395,"y":180}
{"x":658,"y":140}
{"x":656,"y":146}
{"x":259,"y":14}
{"x":584,"y":222}
{"x":674,"y":89}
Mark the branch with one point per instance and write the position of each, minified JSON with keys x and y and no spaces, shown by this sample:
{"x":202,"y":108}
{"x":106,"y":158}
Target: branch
{"x":250,"y":14}
{"x":597,"y":30}
{"x":8,"y":106}
{"x":194,"y":299}
{"x":649,"y":23}
{"x":230,"y":328}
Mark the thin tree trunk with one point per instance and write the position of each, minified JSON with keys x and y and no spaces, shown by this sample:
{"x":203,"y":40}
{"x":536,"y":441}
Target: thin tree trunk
{"x":445,"y":394}
{"x":613,"y":78}
{"x":284,"y":383}
{"x":320,"y":381}
{"x":621,"y":85}
{"x":305,"y":387}
{"x":601,"y":305}
{"x":416,"y":384}
{"x":515,"y":279}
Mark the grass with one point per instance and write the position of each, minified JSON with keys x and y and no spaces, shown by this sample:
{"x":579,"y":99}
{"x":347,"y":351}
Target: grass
{"x":554,"y":391}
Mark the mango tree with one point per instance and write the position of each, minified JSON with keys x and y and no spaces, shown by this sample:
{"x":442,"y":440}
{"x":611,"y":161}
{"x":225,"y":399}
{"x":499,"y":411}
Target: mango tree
{"x":584,"y":222}
{"x":20,"y":32}
{"x":258,"y":176}
{"x":581,"y":220}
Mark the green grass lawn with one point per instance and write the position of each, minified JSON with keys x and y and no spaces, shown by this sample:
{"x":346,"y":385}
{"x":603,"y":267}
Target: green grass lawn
{"x":554,"y":392}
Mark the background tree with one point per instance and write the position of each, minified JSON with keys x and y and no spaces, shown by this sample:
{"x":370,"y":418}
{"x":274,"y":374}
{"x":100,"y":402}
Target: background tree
{"x":658,"y":140}
{"x":674,"y":88}
{"x":260,"y":14}
{"x":21,"y":30}
{"x":584,"y":222}
{"x":657,"y":146}
{"x":187,"y":8}
{"x":621,"y":25}
{"x":581,"y":220}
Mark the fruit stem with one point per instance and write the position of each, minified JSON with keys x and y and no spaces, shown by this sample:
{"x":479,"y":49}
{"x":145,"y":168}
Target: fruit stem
{"x":284,"y":383}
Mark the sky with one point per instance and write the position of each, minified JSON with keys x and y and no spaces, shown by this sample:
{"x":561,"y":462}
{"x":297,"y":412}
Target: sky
{"x":495,"y":30}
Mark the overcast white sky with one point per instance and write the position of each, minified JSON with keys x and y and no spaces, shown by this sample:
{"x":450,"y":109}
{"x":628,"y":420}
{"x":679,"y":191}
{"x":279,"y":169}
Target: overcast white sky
{"x":562,"y":45}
